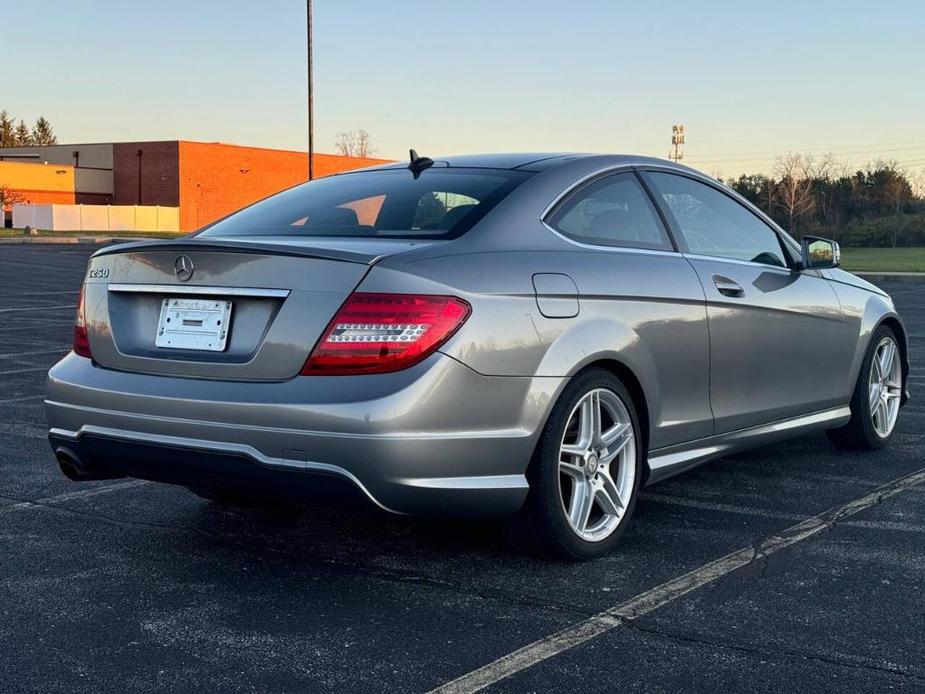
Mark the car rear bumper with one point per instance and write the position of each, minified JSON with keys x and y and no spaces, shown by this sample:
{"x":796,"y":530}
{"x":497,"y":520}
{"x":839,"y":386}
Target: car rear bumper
{"x":435,"y":439}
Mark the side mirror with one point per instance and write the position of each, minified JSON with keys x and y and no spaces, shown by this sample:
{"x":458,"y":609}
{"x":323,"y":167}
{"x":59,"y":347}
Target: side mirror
{"x":819,"y":253}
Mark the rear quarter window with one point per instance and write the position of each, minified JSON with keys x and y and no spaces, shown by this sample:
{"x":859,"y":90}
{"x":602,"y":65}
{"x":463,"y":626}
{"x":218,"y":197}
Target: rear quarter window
{"x":611,"y":211}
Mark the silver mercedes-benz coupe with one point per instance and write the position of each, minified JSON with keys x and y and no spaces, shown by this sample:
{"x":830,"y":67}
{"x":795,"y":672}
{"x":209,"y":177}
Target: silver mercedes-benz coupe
{"x":534,"y":336}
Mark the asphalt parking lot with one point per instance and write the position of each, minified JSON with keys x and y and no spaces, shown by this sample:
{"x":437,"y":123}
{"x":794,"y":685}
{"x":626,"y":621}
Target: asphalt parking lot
{"x":129,"y":586}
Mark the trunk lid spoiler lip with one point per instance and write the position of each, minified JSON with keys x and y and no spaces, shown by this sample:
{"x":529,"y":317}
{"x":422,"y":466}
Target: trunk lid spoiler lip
{"x":232,"y":246}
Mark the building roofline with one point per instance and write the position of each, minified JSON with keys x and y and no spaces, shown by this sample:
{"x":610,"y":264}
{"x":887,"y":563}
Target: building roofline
{"x":197,"y":142}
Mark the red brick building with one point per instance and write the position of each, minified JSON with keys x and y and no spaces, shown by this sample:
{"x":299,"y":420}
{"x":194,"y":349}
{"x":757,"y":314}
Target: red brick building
{"x":206,"y":180}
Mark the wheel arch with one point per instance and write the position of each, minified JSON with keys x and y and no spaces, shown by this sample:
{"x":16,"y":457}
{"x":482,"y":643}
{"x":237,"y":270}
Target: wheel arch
{"x":627,"y":376}
{"x":893,"y":322}
{"x":614,"y":347}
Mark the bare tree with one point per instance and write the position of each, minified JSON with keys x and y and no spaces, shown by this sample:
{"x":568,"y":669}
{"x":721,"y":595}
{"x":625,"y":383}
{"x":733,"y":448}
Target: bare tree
{"x":827,"y":191}
{"x":9,"y":197}
{"x":354,"y":143}
{"x":797,"y":174}
{"x":917,"y":183}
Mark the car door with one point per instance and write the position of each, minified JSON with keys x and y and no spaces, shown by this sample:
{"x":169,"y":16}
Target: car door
{"x":776,"y":333}
{"x":635,"y":278}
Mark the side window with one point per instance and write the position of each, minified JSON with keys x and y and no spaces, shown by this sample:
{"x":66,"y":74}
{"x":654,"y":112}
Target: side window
{"x":612,"y":211}
{"x":714,"y":224}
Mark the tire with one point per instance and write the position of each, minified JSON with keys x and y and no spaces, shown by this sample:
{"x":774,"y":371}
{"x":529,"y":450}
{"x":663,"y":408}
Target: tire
{"x":861,"y":431}
{"x":542,"y":526}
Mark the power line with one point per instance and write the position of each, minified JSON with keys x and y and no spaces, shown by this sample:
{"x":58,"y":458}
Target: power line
{"x":822,"y":149}
{"x":710,"y":159}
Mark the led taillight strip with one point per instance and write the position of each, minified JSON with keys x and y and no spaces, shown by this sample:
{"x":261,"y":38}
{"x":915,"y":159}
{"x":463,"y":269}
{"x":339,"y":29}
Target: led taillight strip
{"x":378,"y":333}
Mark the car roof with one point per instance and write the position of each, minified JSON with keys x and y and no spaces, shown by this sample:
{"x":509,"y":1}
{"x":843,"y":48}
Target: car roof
{"x":526,"y":161}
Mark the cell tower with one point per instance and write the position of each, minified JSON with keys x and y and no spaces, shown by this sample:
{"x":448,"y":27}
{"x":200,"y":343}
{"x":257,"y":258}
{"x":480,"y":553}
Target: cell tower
{"x":677,"y":142}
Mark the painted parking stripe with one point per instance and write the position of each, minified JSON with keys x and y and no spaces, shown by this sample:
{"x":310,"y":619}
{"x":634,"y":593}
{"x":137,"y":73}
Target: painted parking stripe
{"x":24,"y":371}
{"x":38,"y":325}
{"x":36,"y":308}
{"x":716,"y":506}
{"x":887,"y":526}
{"x":60,"y":291}
{"x":70,"y":496}
{"x":837,"y":479}
{"x":40,"y":351}
{"x":22,"y":398}
{"x":668,"y":592}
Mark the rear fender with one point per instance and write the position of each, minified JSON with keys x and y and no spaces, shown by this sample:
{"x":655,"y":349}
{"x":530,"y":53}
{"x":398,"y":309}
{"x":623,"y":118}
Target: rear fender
{"x":600,"y":340}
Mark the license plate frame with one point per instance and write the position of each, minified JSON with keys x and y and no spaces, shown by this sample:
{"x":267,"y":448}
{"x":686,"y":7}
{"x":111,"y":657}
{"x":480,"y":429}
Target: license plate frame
{"x":197,"y":324}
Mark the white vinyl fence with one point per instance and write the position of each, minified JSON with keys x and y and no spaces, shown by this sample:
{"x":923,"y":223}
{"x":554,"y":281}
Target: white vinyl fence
{"x":96,"y":217}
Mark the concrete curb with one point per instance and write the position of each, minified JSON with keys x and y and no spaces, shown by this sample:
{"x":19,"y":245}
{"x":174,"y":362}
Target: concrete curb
{"x":891,"y":276}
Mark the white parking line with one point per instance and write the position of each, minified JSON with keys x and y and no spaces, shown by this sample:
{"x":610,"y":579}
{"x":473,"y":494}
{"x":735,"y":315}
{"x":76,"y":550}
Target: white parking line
{"x":70,"y":496}
{"x":61,"y":291}
{"x":837,"y":479}
{"x":36,"y":325}
{"x":22,"y":399}
{"x":39,"y":351}
{"x":722,"y":508}
{"x":23,"y":371}
{"x":886,"y":525}
{"x":36,"y":308}
{"x":668,"y":592}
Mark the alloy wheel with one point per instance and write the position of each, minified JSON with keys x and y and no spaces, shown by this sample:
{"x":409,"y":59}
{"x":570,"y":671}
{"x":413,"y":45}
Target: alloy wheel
{"x":885,"y":387}
{"x":597,"y":464}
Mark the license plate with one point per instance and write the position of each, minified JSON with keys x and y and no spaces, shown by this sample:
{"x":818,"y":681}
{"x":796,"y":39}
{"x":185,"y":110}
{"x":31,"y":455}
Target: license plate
{"x":200,"y":324}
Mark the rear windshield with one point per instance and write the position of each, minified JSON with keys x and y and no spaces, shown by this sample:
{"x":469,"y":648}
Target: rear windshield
{"x":439,"y":203}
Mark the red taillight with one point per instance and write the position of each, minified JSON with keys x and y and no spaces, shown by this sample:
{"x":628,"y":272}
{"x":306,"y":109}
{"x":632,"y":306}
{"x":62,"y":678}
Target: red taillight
{"x":81,"y":342}
{"x":376,"y":333}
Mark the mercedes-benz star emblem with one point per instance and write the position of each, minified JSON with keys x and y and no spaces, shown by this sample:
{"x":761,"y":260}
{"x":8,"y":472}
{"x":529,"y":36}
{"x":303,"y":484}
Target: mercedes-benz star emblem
{"x":183,"y":267}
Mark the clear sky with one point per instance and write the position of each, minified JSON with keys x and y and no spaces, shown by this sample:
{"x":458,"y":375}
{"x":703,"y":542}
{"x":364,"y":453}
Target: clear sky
{"x":748,"y":79}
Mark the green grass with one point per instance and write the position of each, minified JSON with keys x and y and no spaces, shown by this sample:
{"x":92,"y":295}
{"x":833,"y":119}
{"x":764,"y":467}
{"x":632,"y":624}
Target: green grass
{"x":119,"y":234}
{"x":883,"y":259}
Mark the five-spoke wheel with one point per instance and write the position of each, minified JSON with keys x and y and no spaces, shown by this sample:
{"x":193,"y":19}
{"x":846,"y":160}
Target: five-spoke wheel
{"x":597,"y":464}
{"x":885,"y":386}
{"x":585,"y":472}
{"x":877,"y":395}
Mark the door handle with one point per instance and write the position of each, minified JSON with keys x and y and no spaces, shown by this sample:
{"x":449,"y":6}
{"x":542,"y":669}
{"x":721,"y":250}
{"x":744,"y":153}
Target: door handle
{"x":727,"y":286}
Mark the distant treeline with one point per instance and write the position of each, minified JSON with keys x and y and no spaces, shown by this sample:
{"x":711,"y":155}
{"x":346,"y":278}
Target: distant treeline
{"x":13,"y":134}
{"x":875,"y":206}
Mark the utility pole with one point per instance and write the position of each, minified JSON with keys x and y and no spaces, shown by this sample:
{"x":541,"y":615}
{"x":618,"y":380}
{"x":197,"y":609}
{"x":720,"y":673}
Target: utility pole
{"x":311,"y":95}
{"x":677,"y":141}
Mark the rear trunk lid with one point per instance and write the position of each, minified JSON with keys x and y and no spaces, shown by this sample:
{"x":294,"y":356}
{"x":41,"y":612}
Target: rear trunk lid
{"x":242,"y":309}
